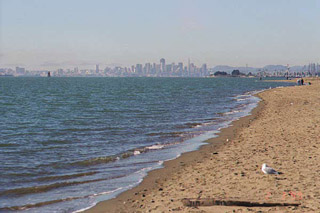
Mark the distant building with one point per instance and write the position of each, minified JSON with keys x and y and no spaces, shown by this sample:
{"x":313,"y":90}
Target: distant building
{"x":158,"y":70}
{"x":162,"y":65}
{"x":20,"y":71}
{"x":204,"y":70}
{"x":97,"y":68}
{"x":76,"y":70}
{"x":192,"y":69}
{"x":139,"y":69}
{"x":60,"y":72}
{"x":168,"y":68}
{"x":147,"y":68}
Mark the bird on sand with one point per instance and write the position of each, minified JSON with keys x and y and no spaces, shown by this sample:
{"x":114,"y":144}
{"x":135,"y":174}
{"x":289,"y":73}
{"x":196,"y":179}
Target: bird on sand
{"x":268,"y":170}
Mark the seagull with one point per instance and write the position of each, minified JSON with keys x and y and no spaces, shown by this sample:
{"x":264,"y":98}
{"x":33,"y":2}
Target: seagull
{"x":268,"y":170}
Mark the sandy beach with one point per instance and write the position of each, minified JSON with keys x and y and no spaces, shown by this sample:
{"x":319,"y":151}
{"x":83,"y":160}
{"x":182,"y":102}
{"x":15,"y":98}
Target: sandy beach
{"x":283,"y":131}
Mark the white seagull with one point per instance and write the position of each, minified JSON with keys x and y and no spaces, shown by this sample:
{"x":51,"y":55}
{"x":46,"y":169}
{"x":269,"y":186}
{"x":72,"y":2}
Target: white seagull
{"x":268,"y":170}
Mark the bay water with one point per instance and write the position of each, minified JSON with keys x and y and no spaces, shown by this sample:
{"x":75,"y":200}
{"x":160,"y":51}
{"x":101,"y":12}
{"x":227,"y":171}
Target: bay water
{"x":68,"y":143}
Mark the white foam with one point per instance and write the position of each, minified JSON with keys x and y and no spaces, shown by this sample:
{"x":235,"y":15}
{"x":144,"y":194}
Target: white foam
{"x":108,"y":192}
{"x":232,"y":112}
{"x":242,"y":99}
{"x":136,"y":152}
{"x":153,"y":147}
{"x":245,"y":95}
{"x":143,"y":170}
{"x":102,"y":193}
{"x":84,"y":209}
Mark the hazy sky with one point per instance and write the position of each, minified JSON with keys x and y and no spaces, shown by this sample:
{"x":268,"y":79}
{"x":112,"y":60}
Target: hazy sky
{"x":66,"y":33}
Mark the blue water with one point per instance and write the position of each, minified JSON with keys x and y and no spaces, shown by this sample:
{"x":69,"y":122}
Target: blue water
{"x":68,"y":143}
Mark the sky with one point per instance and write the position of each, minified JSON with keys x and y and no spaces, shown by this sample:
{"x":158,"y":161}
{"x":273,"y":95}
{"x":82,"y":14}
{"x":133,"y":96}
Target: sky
{"x":48,"y":34}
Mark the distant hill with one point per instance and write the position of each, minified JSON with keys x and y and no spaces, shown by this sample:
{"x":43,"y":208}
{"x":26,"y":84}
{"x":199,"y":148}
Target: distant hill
{"x":274,"y":67}
{"x":297,"y":68}
{"x":270,"y":68}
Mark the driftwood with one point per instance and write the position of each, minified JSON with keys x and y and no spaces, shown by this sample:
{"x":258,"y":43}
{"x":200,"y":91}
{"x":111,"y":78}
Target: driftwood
{"x":211,"y":202}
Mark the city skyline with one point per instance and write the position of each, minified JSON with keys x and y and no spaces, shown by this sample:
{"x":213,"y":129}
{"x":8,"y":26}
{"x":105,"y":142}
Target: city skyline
{"x":164,"y":69}
{"x":54,"y":34}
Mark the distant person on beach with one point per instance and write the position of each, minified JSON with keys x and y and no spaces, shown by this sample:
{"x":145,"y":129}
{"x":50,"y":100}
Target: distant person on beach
{"x":298,"y":81}
{"x":301,"y":81}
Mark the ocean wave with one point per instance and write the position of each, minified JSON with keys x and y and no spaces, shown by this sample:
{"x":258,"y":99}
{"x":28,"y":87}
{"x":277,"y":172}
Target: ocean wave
{"x":34,"y":205}
{"x":232,"y":112}
{"x":143,"y":170}
{"x":242,"y":99}
{"x":188,"y":125}
{"x":96,"y":160}
{"x":165,"y":134}
{"x":145,"y":162}
{"x":8,"y":144}
{"x":153,"y":147}
{"x":136,"y":152}
{"x":64,"y":177}
{"x":193,"y":125}
{"x":45,"y":188}
{"x":54,"y":142}
{"x":210,"y":119}
{"x":113,"y":158}
{"x":254,"y":92}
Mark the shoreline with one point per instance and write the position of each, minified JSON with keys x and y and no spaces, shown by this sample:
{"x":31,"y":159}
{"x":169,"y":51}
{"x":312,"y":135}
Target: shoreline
{"x":154,"y":177}
{"x":229,"y":166}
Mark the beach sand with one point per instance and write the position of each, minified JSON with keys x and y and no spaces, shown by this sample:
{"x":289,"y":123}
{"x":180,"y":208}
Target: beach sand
{"x":283,"y":131}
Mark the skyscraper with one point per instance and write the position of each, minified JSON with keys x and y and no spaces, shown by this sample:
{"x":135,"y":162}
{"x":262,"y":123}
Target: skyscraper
{"x":204,"y":70}
{"x":162,"y":65}
{"x":147,"y":69}
{"x":189,"y":69}
{"x":97,"y":68}
{"x":139,"y":69}
{"x":180,"y":68}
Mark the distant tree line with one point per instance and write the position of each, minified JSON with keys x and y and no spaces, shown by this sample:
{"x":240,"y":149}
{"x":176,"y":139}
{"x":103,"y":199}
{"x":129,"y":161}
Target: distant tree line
{"x":234,"y":73}
{"x":220,"y":73}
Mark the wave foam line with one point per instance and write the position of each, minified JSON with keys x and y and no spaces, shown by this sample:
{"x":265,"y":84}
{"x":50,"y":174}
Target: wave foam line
{"x":34,"y":205}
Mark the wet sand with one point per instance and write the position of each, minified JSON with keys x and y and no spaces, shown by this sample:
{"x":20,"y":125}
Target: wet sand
{"x":283,"y":131}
